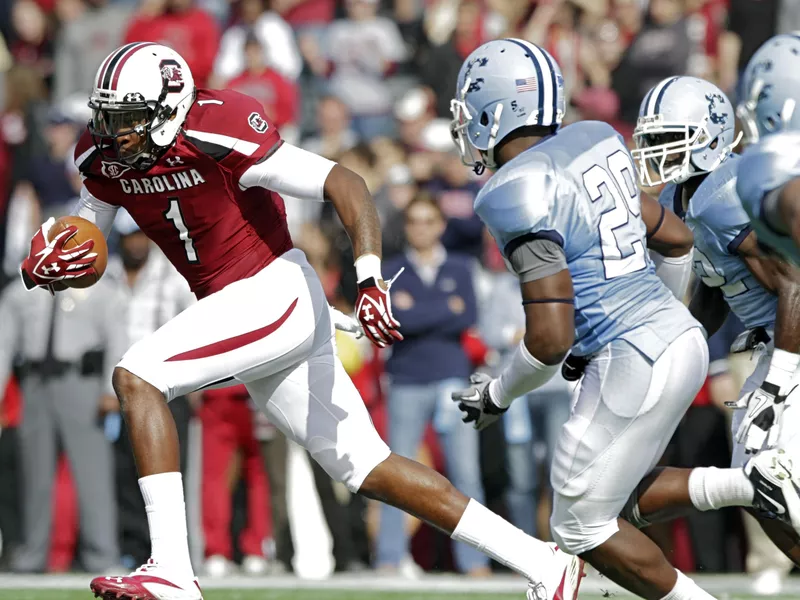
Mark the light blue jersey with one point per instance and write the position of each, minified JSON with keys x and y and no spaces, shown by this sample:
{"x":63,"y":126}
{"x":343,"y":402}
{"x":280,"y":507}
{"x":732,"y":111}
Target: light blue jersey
{"x":578,"y":189}
{"x":719,"y":225}
{"x":764,"y":167}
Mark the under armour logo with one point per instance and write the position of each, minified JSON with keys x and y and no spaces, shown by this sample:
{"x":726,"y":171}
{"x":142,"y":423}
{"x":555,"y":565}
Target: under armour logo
{"x":53,"y":268}
{"x":368,"y":316}
{"x":173,"y":161}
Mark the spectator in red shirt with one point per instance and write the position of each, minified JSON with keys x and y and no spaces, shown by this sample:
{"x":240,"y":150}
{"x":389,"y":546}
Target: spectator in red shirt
{"x":279,"y":96}
{"x":183,"y":27}
{"x":301,"y":14}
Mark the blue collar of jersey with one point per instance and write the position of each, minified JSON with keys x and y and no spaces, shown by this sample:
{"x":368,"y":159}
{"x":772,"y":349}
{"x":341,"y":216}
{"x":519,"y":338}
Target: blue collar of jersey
{"x":677,"y":201}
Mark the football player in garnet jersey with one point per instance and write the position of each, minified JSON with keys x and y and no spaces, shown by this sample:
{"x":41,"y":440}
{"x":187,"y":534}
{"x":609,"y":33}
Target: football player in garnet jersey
{"x":201,"y":171}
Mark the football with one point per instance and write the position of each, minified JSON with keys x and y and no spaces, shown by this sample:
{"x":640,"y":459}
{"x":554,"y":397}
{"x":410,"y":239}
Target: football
{"x":86,"y":231}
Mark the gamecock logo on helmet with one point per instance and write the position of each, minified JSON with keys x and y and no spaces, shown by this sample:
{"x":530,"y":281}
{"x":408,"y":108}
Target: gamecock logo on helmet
{"x":257,"y":122}
{"x":172,"y":75}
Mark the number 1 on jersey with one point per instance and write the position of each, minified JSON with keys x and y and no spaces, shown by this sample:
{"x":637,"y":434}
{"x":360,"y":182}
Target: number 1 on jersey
{"x":175,"y":215}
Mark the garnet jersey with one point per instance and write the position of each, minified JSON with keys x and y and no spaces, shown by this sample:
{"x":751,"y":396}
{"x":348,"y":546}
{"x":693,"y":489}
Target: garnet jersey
{"x":191,"y":204}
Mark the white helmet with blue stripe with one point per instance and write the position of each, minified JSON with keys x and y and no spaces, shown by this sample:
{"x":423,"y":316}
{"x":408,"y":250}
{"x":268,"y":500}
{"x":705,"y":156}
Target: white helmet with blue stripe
{"x":502,"y":86}
{"x":770,"y":87}
{"x":685,"y":128}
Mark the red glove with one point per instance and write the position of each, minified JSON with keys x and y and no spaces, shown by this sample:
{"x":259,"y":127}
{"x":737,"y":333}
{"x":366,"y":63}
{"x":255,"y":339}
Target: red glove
{"x":374,"y":312}
{"x":49,"y":262}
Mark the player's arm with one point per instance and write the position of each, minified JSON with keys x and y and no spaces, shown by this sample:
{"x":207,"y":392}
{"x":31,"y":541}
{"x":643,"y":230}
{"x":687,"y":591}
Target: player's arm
{"x":296,"y":172}
{"x":548,"y":300}
{"x":781,"y":209}
{"x":670,"y":242}
{"x":764,"y":267}
{"x":763,"y":419}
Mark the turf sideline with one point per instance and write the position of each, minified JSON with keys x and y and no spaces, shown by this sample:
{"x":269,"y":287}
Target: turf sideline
{"x":719,"y":585}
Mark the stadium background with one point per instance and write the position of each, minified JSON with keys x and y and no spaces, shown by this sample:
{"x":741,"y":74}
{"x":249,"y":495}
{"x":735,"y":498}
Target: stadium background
{"x":367,"y":83}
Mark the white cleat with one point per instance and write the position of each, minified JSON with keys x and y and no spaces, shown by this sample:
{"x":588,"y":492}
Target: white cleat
{"x":217,"y":566}
{"x":776,"y":492}
{"x":569,"y":584}
{"x":768,"y":582}
{"x":255,"y":566}
{"x":148,"y":582}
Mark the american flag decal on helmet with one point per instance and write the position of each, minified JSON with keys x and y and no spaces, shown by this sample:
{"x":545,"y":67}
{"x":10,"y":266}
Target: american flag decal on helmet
{"x":529,"y":84}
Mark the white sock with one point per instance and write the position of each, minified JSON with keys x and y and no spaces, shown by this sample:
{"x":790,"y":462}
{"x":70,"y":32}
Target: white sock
{"x":166,"y":515}
{"x":494,"y":536}
{"x":711,"y":488}
{"x":686,"y":589}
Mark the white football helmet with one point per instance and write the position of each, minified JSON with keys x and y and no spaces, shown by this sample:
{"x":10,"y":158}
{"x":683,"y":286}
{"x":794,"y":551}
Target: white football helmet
{"x":771,"y":89}
{"x":502,"y":86}
{"x":142,"y":89}
{"x":685,"y":128}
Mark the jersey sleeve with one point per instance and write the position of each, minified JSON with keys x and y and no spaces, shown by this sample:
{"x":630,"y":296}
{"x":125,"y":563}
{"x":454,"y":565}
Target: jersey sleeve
{"x":766,"y":167}
{"x":536,"y":259}
{"x":290,"y":171}
{"x":232,"y":128}
{"x":95,"y":211}
{"x":523,"y":209}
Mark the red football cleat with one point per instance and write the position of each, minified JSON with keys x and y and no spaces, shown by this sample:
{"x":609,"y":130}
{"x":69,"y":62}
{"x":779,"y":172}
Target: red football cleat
{"x":148,"y":582}
{"x":571,"y":582}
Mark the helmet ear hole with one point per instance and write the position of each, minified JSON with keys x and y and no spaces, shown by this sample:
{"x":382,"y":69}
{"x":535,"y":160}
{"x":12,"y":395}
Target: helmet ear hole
{"x":771,"y":123}
{"x":484,"y":118}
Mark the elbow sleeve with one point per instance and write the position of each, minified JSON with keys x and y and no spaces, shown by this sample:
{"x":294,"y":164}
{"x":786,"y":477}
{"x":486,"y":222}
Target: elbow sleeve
{"x":674,"y":272}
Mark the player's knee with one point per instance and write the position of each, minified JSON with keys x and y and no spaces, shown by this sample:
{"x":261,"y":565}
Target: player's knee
{"x":576,"y":531}
{"x":131,"y":388}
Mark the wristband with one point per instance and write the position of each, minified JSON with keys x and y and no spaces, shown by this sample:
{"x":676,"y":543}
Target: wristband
{"x":523,"y":374}
{"x":782,"y":367}
{"x":368,"y":265}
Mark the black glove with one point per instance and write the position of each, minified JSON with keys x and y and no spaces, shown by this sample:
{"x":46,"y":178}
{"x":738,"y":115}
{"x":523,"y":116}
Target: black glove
{"x":573,"y":367}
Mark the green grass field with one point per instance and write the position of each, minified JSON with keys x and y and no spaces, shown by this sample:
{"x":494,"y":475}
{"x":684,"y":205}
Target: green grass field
{"x":314,"y":595}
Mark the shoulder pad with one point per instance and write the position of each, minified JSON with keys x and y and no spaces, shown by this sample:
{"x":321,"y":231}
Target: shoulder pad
{"x":224,"y":121}
{"x":521,"y":204}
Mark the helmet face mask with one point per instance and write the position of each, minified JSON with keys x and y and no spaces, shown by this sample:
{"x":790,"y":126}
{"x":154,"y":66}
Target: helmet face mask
{"x":664,"y":150}
{"x":471,"y":156}
{"x":459,"y":130}
{"x":130,"y":123}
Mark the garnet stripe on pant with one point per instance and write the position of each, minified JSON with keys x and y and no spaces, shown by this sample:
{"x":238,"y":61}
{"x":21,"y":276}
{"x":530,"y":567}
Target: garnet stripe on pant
{"x":235,"y":342}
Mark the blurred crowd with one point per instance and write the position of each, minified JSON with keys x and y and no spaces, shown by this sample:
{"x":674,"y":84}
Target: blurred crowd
{"x":367,"y":83}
